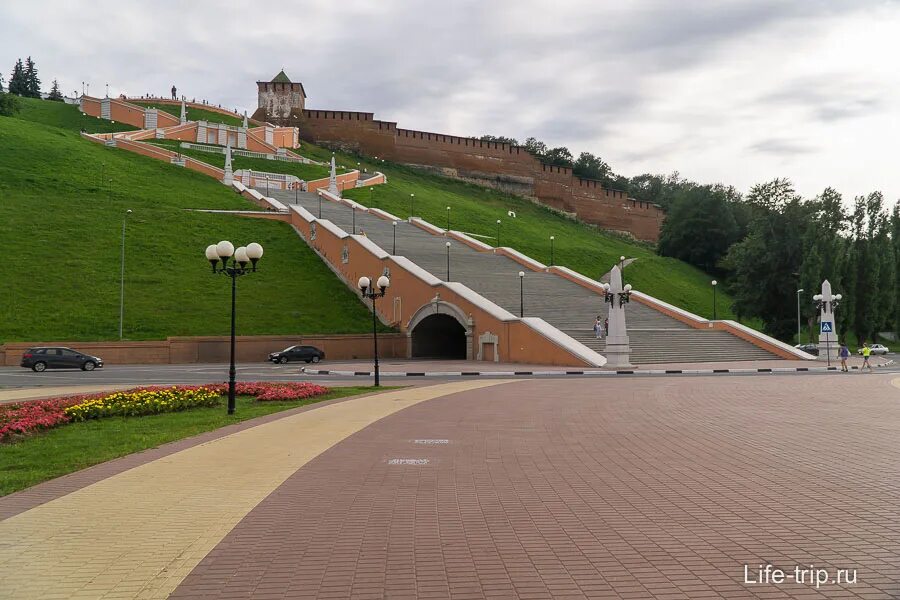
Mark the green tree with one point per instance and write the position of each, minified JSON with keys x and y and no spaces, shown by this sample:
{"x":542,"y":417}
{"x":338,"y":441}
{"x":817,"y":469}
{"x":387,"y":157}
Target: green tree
{"x":17,"y":84}
{"x":32,"y":82}
{"x":589,"y":166}
{"x":823,"y":251}
{"x":500,"y":139}
{"x":55,"y":94}
{"x":9,"y":104}
{"x":700,"y":227}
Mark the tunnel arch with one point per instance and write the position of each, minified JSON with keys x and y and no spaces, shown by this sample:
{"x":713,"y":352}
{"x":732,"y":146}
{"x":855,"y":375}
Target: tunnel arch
{"x":440,"y":330}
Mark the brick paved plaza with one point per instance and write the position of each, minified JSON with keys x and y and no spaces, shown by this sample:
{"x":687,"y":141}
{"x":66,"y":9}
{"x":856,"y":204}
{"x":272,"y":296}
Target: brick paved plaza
{"x":625,"y":488}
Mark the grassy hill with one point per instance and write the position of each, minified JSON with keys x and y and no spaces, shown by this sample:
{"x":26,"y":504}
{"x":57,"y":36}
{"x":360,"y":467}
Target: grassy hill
{"x":475,"y":210}
{"x":193,"y":113}
{"x":62,"y":201}
{"x":301,"y":170}
{"x":66,"y":116}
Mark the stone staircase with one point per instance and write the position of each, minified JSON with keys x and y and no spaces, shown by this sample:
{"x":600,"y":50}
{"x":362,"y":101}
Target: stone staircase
{"x":655,"y":337}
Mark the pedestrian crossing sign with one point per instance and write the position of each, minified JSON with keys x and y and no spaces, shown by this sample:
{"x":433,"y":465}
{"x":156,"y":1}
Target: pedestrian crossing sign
{"x":827,"y":327}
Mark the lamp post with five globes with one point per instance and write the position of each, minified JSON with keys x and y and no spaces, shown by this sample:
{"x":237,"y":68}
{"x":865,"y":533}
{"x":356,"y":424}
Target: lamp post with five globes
{"x":369,"y":292}
{"x":239,"y":260}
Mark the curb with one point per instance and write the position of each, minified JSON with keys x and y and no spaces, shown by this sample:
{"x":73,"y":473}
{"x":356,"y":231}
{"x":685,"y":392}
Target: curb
{"x":305,"y":371}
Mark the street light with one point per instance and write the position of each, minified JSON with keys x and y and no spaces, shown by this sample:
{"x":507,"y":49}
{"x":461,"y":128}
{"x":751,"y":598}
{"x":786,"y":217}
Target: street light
{"x":799,"y":341}
{"x":552,"y":237}
{"x":353,"y":210}
{"x":521,"y":293}
{"x":267,"y":186}
{"x":320,"y":205}
{"x":448,"y":261}
{"x":371,"y":293}
{"x":394,"y":251}
{"x":122,"y":278}
{"x":412,"y":204}
{"x":240,"y":258}
{"x":621,"y":262}
{"x":624,"y":295}
{"x":714,"y":284}
{"x":498,"y":233}
{"x":448,"y":218}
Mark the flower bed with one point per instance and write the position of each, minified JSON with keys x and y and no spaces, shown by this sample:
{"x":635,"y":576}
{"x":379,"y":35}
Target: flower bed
{"x":145,"y":401}
{"x":276,"y":391}
{"x":22,"y":418}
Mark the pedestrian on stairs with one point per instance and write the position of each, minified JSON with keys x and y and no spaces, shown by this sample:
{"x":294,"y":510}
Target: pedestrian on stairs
{"x":174,"y":93}
{"x":606,"y":325}
{"x":598,"y":328}
{"x":844,"y":354}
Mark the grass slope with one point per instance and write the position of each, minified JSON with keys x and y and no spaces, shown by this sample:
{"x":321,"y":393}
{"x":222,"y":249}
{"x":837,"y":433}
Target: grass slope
{"x":65,"y":116}
{"x":76,"y":446}
{"x":301,"y":170}
{"x":475,"y":210}
{"x":193,"y":114}
{"x":62,"y":282}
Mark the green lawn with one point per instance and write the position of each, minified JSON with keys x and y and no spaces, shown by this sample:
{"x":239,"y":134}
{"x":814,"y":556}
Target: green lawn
{"x":475,"y":210}
{"x":62,"y":283}
{"x":76,"y":446}
{"x":193,"y":114}
{"x":301,"y":170}
{"x":65,"y":116}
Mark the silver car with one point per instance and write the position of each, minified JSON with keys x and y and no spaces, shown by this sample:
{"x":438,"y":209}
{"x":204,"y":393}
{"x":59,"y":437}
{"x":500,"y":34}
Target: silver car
{"x":876,"y":349}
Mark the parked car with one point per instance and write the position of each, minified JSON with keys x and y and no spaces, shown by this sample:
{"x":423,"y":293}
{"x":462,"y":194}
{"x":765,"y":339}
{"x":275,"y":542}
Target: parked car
{"x":41,"y":359}
{"x":876,"y":349}
{"x":808,"y":348}
{"x":309,"y":354}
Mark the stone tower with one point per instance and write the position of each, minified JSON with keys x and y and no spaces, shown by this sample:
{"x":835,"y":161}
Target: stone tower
{"x":278,"y":98}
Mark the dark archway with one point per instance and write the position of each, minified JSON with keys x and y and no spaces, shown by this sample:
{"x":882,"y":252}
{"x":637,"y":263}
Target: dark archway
{"x":439,"y":336}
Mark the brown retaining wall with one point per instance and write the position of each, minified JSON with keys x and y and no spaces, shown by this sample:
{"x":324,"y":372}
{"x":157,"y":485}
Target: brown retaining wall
{"x":215,"y":349}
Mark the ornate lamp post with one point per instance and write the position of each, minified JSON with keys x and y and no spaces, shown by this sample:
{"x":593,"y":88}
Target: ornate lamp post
{"x":239,"y":260}
{"x":365,"y":286}
{"x":826,"y":303}
{"x":714,"y":284}
{"x":618,"y":350}
{"x":552,"y":237}
{"x":122,"y":278}
{"x":448,"y":261}
{"x":621,"y":262}
{"x":521,"y":294}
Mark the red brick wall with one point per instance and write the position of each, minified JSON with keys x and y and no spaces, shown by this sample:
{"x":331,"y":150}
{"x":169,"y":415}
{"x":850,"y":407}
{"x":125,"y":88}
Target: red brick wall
{"x":498,"y":165}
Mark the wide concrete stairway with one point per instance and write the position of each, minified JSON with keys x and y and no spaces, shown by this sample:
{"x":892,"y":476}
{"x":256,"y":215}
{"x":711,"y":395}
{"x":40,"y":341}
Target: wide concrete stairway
{"x":655,"y":337}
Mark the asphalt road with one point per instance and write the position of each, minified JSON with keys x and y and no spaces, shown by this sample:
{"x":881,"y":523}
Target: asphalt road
{"x":17,"y":377}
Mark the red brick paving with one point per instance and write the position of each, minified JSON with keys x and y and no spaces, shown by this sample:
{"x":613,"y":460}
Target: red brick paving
{"x":639,"y":488}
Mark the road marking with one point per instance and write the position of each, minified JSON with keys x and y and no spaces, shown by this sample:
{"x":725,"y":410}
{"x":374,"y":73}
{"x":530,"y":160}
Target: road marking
{"x":139,"y":533}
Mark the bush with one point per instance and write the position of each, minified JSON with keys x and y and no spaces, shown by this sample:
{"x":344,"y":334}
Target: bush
{"x":145,"y":401}
{"x":9,"y":105}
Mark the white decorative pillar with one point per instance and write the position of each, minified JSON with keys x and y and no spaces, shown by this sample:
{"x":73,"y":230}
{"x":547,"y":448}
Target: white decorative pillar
{"x":229,"y":174}
{"x":183,"y":118}
{"x":201,"y":132}
{"x":828,"y":338}
{"x":332,"y":179}
{"x":244,"y":125}
{"x":618,"y":351}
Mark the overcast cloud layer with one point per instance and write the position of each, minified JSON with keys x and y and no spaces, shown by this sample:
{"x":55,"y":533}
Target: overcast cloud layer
{"x":736,"y":91}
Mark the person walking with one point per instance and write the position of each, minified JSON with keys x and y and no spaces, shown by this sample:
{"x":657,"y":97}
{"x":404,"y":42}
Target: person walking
{"x":866,"y":351}
{"x":606,"y":325}
{"x":844,"y":354}
{"x":598,"y":328}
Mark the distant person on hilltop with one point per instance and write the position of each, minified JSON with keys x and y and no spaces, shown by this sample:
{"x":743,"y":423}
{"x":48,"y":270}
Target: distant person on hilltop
{"x":174,"y":93}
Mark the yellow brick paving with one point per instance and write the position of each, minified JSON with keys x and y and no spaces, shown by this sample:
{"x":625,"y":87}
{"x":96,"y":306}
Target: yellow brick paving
{"x":139,"y":533}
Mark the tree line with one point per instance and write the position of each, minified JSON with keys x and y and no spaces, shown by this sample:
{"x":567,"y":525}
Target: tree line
{"x":24,"y":82}
{"x":770,"y":244}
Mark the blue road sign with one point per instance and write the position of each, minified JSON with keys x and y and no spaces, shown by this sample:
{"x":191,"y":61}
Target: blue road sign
{"x":827,"y":327}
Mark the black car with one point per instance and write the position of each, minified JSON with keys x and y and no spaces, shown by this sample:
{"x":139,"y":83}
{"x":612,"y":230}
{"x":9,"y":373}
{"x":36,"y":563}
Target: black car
{"x":808,"y":348}
{"x":41,"y":359}
{"x":305,"y":353}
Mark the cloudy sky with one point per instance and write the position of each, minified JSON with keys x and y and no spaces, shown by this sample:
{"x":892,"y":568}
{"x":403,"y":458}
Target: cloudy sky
{"x":734,"y":91}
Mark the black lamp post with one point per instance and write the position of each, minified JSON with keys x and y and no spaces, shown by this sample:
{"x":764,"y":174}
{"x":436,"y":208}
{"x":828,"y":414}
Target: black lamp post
{"x":521,"y":294}
{"x":448,"y":261}
{"x":552,"y":237}
{"x":296,"y":192}
{"x":394,"y":250}
{"x":448,"y":218}
{"x":267,"y":186}
{"x":412,"y":204}
{"x":320,"y":205}
{"x":621,"y":262}
{"x":498,"y":233}
{"x":714,"y":285}
{"x":353,"y":210}
{"x":365,"y":286}
{"x":239,"y":261}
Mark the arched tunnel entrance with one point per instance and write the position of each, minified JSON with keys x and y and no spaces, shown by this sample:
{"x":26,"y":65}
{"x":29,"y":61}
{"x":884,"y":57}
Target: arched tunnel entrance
{"x":439,"y":336}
